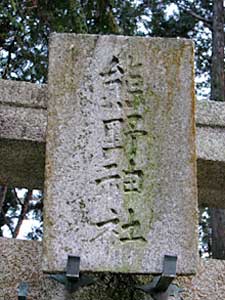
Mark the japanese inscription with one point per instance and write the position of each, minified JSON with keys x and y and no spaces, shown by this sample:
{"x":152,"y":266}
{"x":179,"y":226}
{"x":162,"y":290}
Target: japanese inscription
{"x":122,"y":135}
{"x":115,"y":155}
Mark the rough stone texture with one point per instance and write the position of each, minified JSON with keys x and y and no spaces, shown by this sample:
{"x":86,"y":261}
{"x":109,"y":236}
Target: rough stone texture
{"x":211,"y":143}
{"x":211,"y":184}
{"x":210,"y":113}
{"x":120,"y":168}
{"x":19,"y":123}
{"x":23,"y":121}
{"x":26,"y":123}
{"x":210,"y":140}
{"x":208,"y":284}
{"x":24,"y":94}
{"x":22,"y":163}
{"x":21,"y":260}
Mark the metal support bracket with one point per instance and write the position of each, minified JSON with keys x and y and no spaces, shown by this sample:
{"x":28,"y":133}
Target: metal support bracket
{"x":161,"y":288}
{"x":23,"y":291}
{"x":72,"y":279}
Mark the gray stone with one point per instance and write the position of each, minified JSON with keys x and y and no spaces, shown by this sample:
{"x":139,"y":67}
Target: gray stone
{"x":208,"y":284}
{"x":22,"y":152}
{"x":22,"y":163}
{"x":22,"y":93}
{"x":210,"y":141}
{"x":23,"y":124}
{"x":210,"y":113}
{"x":23,"y":121}
{"x":21,"y":261}
{"x":211,"y":184}
{"x":120,"y":162}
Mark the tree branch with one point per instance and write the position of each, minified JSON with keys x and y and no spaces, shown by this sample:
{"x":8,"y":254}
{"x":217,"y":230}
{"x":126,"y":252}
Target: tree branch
{"x":3,"y":191}
{"x":7,"y":222}
{"x":207,"y":22}
{"x":5,"y":72}
{"x":188,"y":10}
{"x":24,"y":210}
{"x":16,"y":196}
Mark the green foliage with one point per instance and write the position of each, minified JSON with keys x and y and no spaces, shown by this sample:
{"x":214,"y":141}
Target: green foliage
{"x":26,"y":25}
{"x":23,"y":42}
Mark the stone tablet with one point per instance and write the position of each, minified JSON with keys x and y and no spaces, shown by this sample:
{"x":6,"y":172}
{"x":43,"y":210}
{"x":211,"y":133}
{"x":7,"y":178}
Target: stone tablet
{"x":120,"y":162}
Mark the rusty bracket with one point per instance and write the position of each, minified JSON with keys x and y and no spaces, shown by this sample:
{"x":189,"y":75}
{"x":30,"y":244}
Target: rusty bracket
{"x":72,"y":279}
{"x":160,"y":288}
{"x":23,"y":291}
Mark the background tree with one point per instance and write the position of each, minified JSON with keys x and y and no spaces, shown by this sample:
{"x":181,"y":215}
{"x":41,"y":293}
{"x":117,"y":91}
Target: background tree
{"x":14,"y":209}
{"x":26,"y":24}
{"x":218,"y":94}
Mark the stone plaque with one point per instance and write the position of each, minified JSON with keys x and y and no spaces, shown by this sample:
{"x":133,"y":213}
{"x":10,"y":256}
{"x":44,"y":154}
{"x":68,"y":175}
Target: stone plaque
{"x":120,"y":167}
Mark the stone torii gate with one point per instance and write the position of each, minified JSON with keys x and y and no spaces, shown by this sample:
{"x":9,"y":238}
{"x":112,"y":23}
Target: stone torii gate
{"x":120,"y":175}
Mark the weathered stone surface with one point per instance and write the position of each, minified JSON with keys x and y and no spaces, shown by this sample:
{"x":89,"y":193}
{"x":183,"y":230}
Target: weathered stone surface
{"x":211,"y":143}
{"x":120,"y":169}
{"x":210,"y":113}
{"x":22,"y":93}
{"x":23,"y":121}
{"x":22,"y":163}
{"x":208,"y":284}
{"x":32,"y":126}
{"x":22,"y":154}
{"x":210,"y":140}
{"x":211,"y":184}
{"x":210,"y":130}
{"x":21,"y":261}
{"x":19,"y":123}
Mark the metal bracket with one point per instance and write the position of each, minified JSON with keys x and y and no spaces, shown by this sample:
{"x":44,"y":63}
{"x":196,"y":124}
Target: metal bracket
{"x":72,"y":279}
{"x":23,"y":291}
{"x":160,"y":288}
